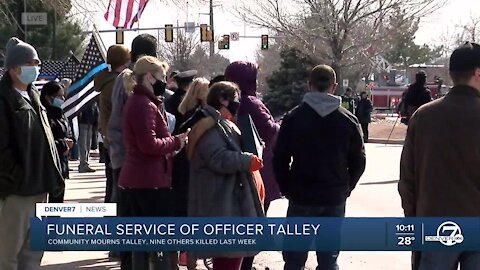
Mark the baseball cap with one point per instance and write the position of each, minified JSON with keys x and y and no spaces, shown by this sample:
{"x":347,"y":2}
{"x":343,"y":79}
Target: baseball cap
{"x":323,"y":76}
{"x":465,"y":57}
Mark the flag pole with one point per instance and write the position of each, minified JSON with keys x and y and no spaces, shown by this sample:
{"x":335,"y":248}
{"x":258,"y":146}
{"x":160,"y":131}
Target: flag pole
{"x":99,"y":40}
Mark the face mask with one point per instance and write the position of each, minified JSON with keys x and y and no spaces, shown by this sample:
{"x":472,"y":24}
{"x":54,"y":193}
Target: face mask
{"x":233,"y":107}
{"x":29,"y":74}
{"x":57,"y":102}
{"x":159,"y":88}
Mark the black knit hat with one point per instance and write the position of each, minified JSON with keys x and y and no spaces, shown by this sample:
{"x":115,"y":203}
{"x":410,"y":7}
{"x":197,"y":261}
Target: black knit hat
{"x":465,"y":58}
{"x":143,"y":44}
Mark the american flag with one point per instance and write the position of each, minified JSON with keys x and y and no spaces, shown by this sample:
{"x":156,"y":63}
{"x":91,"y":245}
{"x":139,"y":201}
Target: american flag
{"x":39,"y":84}
{"x":81,"y":92}
{"x":50,"y":69}
{"x":70,"y":68}
{"x":124,"y":13}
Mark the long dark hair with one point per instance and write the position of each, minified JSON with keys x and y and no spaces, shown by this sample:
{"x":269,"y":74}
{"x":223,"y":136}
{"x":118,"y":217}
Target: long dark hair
{"x":226,"y":90}
{"x":49,"y":89}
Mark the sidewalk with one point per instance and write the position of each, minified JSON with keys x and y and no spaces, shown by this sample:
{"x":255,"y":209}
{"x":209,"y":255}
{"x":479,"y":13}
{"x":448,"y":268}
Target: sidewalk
{"x":375,"y":196}
{"x":387,"y":131}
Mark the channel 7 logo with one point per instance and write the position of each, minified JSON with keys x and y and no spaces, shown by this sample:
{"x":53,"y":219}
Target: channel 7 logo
{"x":448,"y":234}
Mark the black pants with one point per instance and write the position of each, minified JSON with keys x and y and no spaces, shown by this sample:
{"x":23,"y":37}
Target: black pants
{"x":247,"y":262}
{"x":365,"y":131}
{"x":111,"y":188}
{"x":144,"y":203}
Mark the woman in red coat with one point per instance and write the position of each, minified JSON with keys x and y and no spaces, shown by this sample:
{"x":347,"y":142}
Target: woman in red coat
{"x":145,"y":179}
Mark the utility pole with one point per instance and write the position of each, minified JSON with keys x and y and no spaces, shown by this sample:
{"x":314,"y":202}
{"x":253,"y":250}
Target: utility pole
{"x":20,"y":27}
{"x":25,"y":26}
{"x":54,"y":39}
{"x":212,"y":43}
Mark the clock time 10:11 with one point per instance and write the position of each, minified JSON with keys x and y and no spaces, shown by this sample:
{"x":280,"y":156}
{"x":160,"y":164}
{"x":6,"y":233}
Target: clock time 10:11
{"x":405,"y":228}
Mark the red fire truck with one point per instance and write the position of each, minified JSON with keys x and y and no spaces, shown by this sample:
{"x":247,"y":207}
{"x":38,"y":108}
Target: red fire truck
{"x":388,"y":97}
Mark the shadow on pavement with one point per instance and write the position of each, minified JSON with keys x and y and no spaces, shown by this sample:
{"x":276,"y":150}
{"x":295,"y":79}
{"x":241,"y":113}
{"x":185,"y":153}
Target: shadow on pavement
{"x":86,"y":188}
{"x":95,"y":264}
{"x":88,"y":177}
{"x":94,"y":199}
{"x":380,"y":183}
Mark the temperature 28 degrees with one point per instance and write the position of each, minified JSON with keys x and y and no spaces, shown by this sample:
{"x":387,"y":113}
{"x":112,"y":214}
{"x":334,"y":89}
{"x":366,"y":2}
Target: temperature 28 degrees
{"x":405,"y":240}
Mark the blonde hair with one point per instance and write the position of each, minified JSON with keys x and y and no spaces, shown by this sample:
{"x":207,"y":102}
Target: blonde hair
{"x":190,"y":100}
{"x":144,"y":65}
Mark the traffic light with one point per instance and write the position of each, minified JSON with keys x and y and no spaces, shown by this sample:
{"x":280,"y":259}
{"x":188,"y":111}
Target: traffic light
{"x":169,"y":33}
{"x":224,"y":44}
{"x":226,"y":40}
{"x":264,"y":42}
{"x":119,"y":35}
{"x":206,"y":33}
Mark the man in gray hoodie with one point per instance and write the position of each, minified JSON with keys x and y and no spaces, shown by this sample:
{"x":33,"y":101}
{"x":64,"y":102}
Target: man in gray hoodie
{"x":318,"y":159}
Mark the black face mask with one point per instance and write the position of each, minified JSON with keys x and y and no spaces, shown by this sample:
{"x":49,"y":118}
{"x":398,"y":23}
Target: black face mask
{"x":159,"y":88}
{"x":233,"y":107}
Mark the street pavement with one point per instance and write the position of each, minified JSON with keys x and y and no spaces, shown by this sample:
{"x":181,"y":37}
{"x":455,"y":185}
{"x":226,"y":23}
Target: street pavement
{"x":375,"y":196}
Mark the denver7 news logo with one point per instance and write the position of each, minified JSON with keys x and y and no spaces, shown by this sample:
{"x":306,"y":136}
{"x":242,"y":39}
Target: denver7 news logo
{"x":448,"y":234}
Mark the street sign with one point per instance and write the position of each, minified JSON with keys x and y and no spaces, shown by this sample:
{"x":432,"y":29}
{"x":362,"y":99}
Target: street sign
{"x":345,"y":83}
{"x":190,"y":27}
{"x":34,"y":18}
{"x":235,"y":36}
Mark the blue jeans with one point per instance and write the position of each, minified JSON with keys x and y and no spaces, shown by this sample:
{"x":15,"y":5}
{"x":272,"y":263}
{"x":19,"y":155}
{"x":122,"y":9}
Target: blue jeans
{"x":325,"y":260}
{"x":449,"y":260}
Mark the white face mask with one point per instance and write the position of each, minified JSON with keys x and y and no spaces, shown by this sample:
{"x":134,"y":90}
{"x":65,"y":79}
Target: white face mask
{"x":29,"y":74}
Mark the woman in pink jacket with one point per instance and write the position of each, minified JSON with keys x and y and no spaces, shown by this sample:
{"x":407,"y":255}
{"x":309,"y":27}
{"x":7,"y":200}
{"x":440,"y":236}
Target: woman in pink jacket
{"x":145,"y":179}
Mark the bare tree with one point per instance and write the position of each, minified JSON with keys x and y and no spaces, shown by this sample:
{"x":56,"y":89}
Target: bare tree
{"x":178,"y":52}
{"x":470,"y":30}
{"x":342,"y":33}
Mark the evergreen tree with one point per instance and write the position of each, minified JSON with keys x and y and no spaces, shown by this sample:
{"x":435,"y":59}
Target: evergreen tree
{"x":69,"y":36}
{"x":403,"y":51}
{"x":288,"y":84}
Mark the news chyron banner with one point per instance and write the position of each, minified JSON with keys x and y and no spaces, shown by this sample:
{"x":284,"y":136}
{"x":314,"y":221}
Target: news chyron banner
{"x":89,"y":227}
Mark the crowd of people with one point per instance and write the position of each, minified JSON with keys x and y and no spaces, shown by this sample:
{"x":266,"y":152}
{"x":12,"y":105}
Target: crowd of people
{"x":174,"y":147}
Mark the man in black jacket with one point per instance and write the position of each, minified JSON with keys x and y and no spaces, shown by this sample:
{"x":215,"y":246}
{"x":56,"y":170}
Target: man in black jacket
{"x":184,"y":80}
{"x":87,"y":120}
{"x":417,"y":94}
{"x":318,"y":159}
{"x":29,"y":163}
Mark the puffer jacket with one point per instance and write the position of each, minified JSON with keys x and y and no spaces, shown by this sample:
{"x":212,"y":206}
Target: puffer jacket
{"x":149,"y":146}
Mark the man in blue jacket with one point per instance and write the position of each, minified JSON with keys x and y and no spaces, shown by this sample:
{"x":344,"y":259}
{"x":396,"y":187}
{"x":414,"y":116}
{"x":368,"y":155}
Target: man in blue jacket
{"x":318,"y":159}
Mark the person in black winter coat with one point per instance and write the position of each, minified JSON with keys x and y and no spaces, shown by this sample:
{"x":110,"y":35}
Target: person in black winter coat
{"x":318,"y":159}
{"x":184,"y":80}
{"x":417,"y":94}
{"x":364,"y":114}
{"x":87,"y":120}
{"x":52,"y":97}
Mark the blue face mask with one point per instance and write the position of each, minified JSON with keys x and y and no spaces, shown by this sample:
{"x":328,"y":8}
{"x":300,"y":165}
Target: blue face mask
{"x":29,"y":74}
{"x":57,"y":102}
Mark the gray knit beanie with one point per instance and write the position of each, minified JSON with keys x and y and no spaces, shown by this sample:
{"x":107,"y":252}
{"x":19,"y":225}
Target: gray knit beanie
{"x":19,"y":53}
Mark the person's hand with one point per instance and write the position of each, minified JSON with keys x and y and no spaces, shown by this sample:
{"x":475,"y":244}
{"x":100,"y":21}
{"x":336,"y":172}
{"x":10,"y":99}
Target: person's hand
{"x":255,"y":163}
{"x":183,"y":138}
{"x":69,"y":143}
